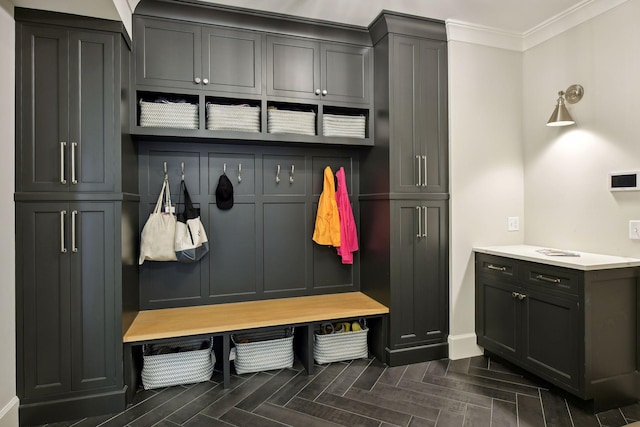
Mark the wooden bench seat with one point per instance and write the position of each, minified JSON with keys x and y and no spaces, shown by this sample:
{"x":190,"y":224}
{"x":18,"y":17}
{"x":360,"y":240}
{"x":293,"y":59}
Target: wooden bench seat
{"x":224,"y":319}
{"x":210,"y":319}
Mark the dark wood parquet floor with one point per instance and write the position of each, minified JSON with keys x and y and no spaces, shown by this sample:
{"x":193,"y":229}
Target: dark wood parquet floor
{"x":470,"y":392}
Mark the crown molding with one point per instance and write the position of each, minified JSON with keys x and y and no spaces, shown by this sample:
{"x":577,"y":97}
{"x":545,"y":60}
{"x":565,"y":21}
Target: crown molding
{"x":487,"y":36}
{"x":558,"y":24}
{"x":564,"y":21}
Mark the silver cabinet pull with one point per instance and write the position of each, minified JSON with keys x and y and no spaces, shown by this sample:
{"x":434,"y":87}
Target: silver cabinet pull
{"x":497,"y":268}
{"x":63,"y":247}
{"x":291,"y":174}
{"x":424,"y":159}
{"x":419,"y":223}
{"x":521,"y":296}
{"x":548,"y":279}
{"x":278,"y":175}
{"x":205,"y":81}
{"x":514,"y":294}
{"x":424,"y":212}
{"x":419,"y":172}
{"x":318,"y":91}
{"x":74,"y":248}
{"x":324,"y":92}
{"x":197,"y":80}
{"x":62,"y":179}
{"x":74,"y":145}
{"x":239,"y":172}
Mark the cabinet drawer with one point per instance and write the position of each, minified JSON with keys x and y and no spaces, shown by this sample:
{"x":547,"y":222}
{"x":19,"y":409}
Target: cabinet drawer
{"x":552,"y":278}
{"x":496,"y":266}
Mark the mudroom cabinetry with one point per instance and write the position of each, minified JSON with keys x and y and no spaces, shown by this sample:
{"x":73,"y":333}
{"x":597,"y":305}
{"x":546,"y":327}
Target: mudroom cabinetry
{"x":404,"y":217}
{"x":67,"y":110}
{"x":74,"y":192}
{"x":330,"y":72}
{"x":190,"y":56}
{"x":569,"y":320}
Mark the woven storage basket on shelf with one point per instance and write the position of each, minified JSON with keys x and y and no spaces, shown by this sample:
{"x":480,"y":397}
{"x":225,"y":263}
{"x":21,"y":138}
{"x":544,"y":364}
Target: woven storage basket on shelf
{"x":243,"y":118}
{"x":345,"y":126}
{"x":340,"y":346}
{"x":263,"y":351}
{"x":289,"y":121}
{"x":180,"y":115}
{"x":177,"y":362}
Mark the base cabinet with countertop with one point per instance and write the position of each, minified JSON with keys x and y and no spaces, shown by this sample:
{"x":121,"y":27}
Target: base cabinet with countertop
{"x":574,"y":325}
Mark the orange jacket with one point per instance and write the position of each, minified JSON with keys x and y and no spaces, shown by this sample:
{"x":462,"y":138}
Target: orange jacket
{"x":327,"y":230}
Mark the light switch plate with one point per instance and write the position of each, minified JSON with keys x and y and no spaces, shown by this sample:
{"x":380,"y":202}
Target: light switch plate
{"x":513,"y":223}
{"x":634,"y":229}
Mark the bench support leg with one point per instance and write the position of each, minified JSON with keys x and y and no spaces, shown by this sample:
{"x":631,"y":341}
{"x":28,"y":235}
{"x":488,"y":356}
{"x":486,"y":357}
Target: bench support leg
{"x":226,"y":364}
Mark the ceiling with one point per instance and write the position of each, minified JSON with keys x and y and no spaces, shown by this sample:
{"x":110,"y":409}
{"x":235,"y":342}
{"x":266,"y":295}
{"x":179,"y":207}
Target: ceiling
{"x":518,"y":16}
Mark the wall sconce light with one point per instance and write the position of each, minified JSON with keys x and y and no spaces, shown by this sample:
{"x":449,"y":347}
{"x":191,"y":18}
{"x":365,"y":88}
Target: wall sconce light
{"x":561,"y":116}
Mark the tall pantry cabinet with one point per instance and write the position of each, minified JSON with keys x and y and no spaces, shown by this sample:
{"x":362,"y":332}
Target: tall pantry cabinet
{"x":76,"y":210}
{"x":404,"y":198}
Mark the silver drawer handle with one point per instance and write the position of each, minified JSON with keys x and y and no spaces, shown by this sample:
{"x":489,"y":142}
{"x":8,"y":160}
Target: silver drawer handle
{"x":424,"y":159}
{"x":62,"y":179}
{"x":424,"y":211}
{"x":63,"y":247}
{"x":419,"y":172}
{"x":496,"y":268}
{"x":74,"y":214}
{"x":74,"y":145}
{"x":548,"y":279}
{"x":419,"y":223}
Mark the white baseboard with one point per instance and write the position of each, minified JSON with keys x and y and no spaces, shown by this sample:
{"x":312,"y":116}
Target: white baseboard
{"x":9,"y":414}
{"x":464,"y":345}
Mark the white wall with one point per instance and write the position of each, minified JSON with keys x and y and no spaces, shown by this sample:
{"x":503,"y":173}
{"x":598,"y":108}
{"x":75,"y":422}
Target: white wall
{"x":486,"y":169}
{"x":567,"y":201}
{"x":8,"y":399}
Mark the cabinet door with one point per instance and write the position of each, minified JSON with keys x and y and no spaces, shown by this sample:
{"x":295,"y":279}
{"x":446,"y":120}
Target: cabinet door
{"x":418,"y":116}
{"x":346,"y":75}
{"x":419,"y":273}
{"x":293,"y":68}
{"x":95,"y":334}
{"x":497,"y":316}
{"x":168,"y":54}
{"x":43,"y":296}
{"x":42,"y":110}
{"x":93,"y":108}
{"x":552,"y":336}
{"x":232,"y":60}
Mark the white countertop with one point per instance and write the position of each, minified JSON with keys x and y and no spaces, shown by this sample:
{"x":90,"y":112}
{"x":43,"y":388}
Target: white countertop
{"x":584,"y":261}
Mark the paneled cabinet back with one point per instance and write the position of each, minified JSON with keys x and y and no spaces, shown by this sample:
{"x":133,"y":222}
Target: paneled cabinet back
{"x":261,"y":248}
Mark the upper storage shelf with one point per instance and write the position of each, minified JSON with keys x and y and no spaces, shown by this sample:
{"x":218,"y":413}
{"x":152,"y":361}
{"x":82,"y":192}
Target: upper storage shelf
{"x":264,"y":62}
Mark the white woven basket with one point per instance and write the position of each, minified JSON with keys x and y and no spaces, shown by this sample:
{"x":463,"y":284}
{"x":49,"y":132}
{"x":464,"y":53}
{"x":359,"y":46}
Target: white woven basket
{"x":243,"y":118}
{"x":289,"y":121}
{"x":191,"y":364}
{"x":181,"y":115}
{"x":340,"y":346}
{"x":344,"y":126}
{"x":259,"y":354}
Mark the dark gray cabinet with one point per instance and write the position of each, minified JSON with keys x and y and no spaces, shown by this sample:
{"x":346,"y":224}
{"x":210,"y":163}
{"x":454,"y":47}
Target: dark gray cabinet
{"x":67,"y":103}
{"x":68,"y":307}
{"x":418,"y":119}
{"x":172,"y":54}
{"x":576,"y":329}
{"x":332,"y":72}
{"x":404,"y":198}
{"x":74,"y":192}
{"x":418,"y":270}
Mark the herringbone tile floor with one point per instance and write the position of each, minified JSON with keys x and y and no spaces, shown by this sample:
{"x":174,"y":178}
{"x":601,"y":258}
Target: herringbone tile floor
{"x":468,"y":392}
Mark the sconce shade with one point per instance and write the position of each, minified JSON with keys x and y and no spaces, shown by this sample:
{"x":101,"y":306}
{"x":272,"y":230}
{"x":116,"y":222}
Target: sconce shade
{"x":560,"y":116}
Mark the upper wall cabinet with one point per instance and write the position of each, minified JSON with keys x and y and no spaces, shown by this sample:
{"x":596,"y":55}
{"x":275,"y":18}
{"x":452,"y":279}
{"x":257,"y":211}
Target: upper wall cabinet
{"x":182,"y":55}
{"x":331,"y":72}
{"x":67,"y":113}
